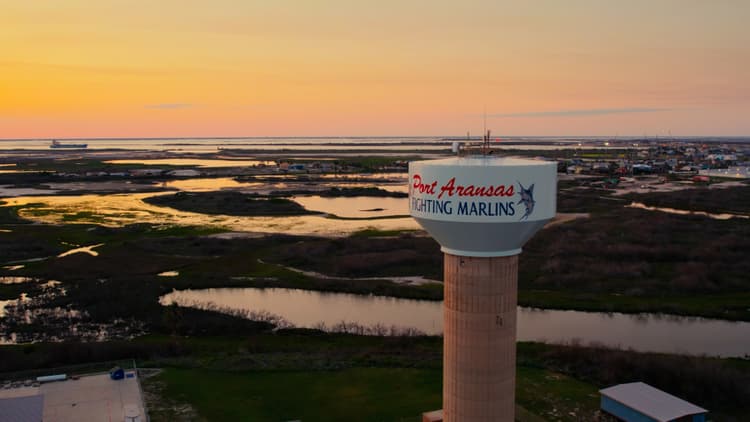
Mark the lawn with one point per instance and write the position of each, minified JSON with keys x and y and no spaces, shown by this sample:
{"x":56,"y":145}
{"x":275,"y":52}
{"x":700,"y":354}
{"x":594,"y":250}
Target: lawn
{"x":361,"y":394}
{"x":293,"y":374}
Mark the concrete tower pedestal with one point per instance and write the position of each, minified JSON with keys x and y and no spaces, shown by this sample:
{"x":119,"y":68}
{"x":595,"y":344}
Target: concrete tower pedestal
{"x":479,"y":350}
{"x":481,"y":209}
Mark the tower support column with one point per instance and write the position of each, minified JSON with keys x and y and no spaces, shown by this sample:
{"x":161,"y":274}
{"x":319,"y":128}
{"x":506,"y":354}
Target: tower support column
{"x":479,"y":346}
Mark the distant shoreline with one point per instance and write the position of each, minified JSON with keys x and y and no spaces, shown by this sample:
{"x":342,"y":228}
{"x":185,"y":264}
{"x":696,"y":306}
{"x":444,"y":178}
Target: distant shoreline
{"x":446,"y":138}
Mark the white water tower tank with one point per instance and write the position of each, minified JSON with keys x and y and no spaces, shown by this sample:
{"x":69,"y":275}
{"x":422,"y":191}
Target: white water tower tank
{"x":481,"y":209}
{"x":481,"y":205}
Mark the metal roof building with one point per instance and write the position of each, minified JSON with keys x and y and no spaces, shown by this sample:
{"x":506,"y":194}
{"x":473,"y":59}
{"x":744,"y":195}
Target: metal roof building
{"x":640,"y":402}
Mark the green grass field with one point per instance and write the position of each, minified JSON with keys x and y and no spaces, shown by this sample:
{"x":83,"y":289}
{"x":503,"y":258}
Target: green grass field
{"x":361,"y":394}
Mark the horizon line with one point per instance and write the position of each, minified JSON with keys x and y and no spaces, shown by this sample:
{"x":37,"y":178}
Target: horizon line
{"x":451,"y":137}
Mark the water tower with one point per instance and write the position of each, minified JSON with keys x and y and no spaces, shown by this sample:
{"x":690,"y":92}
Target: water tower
{"x":481,"y":209}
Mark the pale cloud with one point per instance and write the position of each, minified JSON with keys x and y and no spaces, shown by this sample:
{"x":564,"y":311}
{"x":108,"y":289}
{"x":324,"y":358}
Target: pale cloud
{"x":169,"y":106}
{"x":581,"y":112}
{"x":78,"y":67}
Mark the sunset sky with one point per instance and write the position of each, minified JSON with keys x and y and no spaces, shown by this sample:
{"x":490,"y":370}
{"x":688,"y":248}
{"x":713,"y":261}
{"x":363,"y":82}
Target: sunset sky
{"x":179,"y":68}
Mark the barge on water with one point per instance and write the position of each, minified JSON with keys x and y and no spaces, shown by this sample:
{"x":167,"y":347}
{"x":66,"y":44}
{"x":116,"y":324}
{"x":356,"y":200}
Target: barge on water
{"x":56,"y":144}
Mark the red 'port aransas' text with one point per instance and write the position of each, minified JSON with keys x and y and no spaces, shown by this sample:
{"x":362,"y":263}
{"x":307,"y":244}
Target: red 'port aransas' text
{"x":423,"y":188}
{"x":450,"y":189}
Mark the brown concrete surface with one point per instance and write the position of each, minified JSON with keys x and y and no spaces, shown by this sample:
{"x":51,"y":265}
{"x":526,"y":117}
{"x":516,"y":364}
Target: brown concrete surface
{"x":434,"y":416}
{"x":93,"y":398}
{"x":522,"y":415}
{"x":479,"y":346}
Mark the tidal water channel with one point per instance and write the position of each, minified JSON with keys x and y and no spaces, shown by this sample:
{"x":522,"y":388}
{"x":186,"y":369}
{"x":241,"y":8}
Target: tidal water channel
{"x":642,"y":332}
{"x":114,"y":210}
{"x":122,"y":209}
{"x":645,"y":332}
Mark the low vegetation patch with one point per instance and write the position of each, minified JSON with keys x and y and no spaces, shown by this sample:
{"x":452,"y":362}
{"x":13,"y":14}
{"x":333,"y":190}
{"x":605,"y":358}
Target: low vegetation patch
{"x":229,"y":203}
{"x":733,"y":200}
{"x":640,"y":253}
{"x":364,"y":256}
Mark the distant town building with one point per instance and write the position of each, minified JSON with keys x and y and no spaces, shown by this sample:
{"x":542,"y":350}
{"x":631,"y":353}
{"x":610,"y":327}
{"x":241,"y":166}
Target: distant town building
{"x":146,"y":172}
{"x":731,"y":172}
{"x":641,"y":168}
{"x":701,"y":179}
{"x":184,"y":173}
{"x":722,"y":157}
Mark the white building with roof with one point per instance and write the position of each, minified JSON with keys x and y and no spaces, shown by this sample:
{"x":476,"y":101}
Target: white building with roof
{"x":640,"y":402}
{"x":735,"y":172}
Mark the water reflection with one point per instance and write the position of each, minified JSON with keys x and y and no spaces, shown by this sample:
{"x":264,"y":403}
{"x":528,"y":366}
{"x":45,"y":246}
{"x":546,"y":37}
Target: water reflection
{"x":12,"y":302}
{"x":720,"y":216}
{"x":15,"y":280}
{"x":644,"y":332}
{"x":3,"y":304}
{"x":9,"y":191}
{"x":195,"y":162}
{"x":209,"y":184}
{"x":121,"y":209}
{"x":413,"y":280}
{"x":308,"y":309}
{"x":31,"y":319}
{"x":356,"y":207}
{"x":83,"y":249}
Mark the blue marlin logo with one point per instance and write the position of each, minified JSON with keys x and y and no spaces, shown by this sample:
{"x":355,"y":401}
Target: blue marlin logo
{"x":527,"y":199}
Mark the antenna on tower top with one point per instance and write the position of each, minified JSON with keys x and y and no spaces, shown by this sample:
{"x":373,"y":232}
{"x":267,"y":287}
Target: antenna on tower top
{"x":484,"y":119}
{"x":485,"y":133}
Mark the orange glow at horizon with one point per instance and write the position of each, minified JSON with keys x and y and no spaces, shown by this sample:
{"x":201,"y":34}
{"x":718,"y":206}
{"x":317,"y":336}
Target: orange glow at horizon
{"x":78,"y":68}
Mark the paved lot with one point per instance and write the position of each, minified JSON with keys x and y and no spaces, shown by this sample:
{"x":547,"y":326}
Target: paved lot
{"x":94,"y":398}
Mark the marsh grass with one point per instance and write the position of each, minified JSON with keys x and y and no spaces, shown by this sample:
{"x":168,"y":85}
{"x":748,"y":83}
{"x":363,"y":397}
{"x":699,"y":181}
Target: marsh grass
{"x":229,"y":203}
